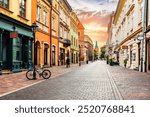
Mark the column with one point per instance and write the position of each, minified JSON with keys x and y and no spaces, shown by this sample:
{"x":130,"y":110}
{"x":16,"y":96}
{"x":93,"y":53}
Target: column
{"x":16,"y":54}
{"x":30,"y":53}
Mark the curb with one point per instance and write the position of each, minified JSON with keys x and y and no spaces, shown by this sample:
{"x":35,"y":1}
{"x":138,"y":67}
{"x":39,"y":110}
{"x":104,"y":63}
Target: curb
{"x":4,"y":94}
{"x":117,"y":93}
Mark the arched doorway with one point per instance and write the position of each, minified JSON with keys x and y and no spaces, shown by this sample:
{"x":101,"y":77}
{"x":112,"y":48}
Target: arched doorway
{"x":53,"y":55}
{"x":37,"y":53}
{"x":46,"y":46}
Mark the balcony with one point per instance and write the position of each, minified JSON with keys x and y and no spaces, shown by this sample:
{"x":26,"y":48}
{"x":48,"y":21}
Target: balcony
{"x":67,"y":42}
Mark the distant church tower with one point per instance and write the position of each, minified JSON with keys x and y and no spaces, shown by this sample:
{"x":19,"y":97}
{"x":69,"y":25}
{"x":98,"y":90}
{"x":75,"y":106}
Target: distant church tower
{"x":96,"y":45}
{"x":96,"y":51}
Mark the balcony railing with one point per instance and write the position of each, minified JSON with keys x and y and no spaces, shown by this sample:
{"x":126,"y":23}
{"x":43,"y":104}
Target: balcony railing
{"x":67,"y":42}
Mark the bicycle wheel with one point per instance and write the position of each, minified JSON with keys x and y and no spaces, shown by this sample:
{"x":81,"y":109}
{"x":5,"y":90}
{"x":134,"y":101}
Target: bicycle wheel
{"x":46,"y":74}
{"x":29,"y":75}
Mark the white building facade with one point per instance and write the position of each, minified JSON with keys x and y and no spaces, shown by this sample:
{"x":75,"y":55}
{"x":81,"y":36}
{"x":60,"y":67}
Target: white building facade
{"x":127,"y":27}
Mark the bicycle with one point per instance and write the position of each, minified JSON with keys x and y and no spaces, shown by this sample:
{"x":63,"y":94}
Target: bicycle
{"x":45,"y":73}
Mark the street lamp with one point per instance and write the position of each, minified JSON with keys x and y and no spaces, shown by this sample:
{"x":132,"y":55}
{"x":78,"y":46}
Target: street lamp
{"x":34,"y":29}
{"x":141,"y":38}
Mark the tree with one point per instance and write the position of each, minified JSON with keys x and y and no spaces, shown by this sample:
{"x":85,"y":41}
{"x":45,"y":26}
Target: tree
{"x":103,"y":51}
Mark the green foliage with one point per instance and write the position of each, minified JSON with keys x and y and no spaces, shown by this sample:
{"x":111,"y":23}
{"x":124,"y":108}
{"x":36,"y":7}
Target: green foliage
{"x":125,"y":61}
{"x":103,"y":51}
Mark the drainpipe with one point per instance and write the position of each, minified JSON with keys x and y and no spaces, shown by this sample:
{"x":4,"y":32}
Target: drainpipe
{"x":51,"y":32}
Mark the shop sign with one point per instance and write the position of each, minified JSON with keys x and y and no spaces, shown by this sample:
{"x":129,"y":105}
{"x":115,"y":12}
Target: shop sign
{"x":13,"y":34}
{"x":140,"y":37}
{"x":124,"y":47}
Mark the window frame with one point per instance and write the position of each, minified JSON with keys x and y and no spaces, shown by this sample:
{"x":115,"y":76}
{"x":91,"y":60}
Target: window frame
{"x":4,"y":5}
{"x":45,"y":18}
{"x":38,"y":18}
{"x":22,"y":8}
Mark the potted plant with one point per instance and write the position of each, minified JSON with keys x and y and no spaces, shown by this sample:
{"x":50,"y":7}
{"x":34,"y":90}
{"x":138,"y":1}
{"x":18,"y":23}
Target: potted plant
{"x":111,"y":62}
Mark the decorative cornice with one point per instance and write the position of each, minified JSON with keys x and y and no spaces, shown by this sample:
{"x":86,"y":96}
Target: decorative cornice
{"x":118,"y":10}
{"x":129,"y":37}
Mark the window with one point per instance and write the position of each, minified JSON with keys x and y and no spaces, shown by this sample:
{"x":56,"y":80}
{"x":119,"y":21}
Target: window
{"x":72,"y":40}
{"x":65,"y":34}
{"x":61,"y":14}
{"x":53,"y":23}
{"x":45,"y":18}
{"x":38,"y":13}
{"x":23,"y":8}
{"x":4,"y":3}
{"x":61,"y":30}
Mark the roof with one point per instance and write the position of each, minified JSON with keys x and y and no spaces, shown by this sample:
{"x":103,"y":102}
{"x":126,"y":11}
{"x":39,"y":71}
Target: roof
{"x":88,"y":39}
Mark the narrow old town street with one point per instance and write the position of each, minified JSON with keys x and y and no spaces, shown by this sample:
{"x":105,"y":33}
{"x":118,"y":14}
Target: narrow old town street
{"x":93,"y":81}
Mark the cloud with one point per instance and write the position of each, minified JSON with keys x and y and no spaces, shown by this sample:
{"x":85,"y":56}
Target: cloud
{"x":94,"y":15}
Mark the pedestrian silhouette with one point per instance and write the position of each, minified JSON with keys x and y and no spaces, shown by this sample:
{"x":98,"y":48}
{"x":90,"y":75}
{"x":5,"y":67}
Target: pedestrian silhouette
{"x":67,"y":62}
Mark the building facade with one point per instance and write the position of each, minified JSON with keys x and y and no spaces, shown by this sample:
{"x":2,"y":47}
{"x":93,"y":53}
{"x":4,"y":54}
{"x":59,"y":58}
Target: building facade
{"x":74,"y":52}
{"x":15,"y":35}
{"x":109,"y":43}
{"x":55,"y":32}
{"x":41,"y":15}
{"x":127,"y":27}
{"x":64,"y":29}
{"x":81,"y":41}
{"x":89,"y":50}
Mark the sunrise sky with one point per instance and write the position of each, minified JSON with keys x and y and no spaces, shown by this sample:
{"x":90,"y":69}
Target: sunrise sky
{"x":94,"y":15}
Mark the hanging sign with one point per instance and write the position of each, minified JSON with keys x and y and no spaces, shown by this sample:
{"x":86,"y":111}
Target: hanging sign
{"x":140,"y":37}
{"x":13,"y":34}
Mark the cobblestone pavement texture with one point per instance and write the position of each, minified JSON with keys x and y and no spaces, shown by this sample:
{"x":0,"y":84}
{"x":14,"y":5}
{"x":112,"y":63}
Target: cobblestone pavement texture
{"x":132,"y":85}
{"x":12,"y":82}
{"x":88,"y":82}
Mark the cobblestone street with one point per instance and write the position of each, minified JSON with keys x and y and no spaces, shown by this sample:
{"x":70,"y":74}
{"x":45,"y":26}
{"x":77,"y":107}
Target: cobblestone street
{"x":131,"y":84}
{"x":93,"y":81}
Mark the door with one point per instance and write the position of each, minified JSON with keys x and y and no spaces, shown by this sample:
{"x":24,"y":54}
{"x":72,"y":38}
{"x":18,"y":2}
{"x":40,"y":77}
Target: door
{"x":24,"y":53}
{"x":7,"y":51}
{"x":45,"y":54}
{"x":37,"y":53}
{"x":53,"y":55}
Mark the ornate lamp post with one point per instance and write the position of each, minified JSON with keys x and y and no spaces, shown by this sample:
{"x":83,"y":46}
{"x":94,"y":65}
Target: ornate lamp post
{"x":34,"y":28}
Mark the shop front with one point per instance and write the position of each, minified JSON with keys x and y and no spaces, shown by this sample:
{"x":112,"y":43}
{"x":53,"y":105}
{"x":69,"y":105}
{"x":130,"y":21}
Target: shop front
{"x":15,"y":45}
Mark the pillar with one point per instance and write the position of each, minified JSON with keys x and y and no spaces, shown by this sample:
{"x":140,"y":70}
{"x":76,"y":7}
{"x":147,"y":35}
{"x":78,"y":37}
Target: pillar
{"x":30,"y":65}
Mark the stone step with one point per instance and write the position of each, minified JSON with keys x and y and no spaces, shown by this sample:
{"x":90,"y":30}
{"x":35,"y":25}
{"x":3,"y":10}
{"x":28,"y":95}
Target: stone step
{"x":6,"y":72}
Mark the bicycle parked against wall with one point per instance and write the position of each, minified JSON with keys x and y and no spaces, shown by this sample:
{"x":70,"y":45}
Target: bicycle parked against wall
{"x":31,"y":74}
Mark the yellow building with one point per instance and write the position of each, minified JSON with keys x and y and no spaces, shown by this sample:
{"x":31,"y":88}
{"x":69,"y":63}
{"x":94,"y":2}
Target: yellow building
{"x":15,"y":35}
{"x":64,"y":28}
{"x":74,"y":53}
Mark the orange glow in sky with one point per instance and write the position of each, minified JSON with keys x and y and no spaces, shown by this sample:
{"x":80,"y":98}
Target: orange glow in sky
{"x":94,"y":15}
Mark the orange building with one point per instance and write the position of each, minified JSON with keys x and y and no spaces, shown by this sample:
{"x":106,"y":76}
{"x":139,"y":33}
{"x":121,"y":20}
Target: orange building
{"x":55,"y":22}
{"x":81,"y":41}
{"x":41,"y":10}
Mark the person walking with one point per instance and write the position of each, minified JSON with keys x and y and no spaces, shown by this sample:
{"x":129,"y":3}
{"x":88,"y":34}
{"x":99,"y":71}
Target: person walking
{"x":67,"y":62}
